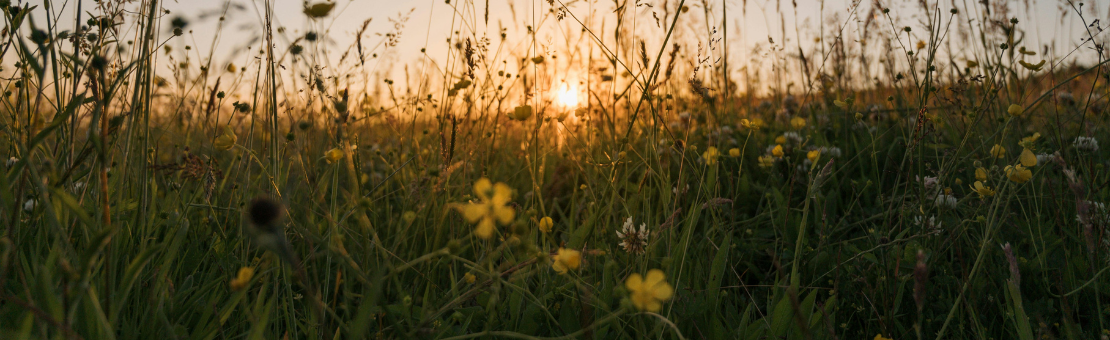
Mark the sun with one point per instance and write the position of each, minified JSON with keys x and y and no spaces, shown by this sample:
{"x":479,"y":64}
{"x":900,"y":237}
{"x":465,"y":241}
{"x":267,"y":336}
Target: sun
{"x":568,"y":95}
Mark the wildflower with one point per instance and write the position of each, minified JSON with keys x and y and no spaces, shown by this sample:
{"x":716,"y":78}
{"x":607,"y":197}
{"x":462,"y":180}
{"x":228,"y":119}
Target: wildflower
{"x":29,"y":205}
{"x":408,"y":216}
{"x":814,"y":155}
{"x":830,"y":151}
{"x":766,"y":161}
{"x":777,"y":151}
{"x":998,"y":151}
{"x":1086,"y":144}
{"x":929,"y":182}
{"x":11,"y":161}
{"x":710,"y":155}
{"x":319,"y":9}
{"x":545,"y":224}
{"x":649,"y":293}
{"x":880,"y":337}
{"x":930,"y":223}
{"x":490,"y":209}
{"x":333,"y":155}
{"x":470,"y":278}
{"x":841,"y":104}
{"x":1014,"y":110}
{"x":566,"y":260}
{"x":920,"y":44}
{"x":734,"y":152}
{"x":1027,"y":158}
{"x":242,"y":279}
{"x":1044,"y":158}
{"x":522,"y":112}
{"x":982,"y":190}
{"x":633,"y":241}
{"x":226,"y":140}
{"x":1018,"y":173}
{"x":946,"y":201}
{"x":1030,"y":142}
{"x":798,"y":123}
{"x":754,"y":123}
{"x":780,"y":139}
{"x":980,"y":174}
{"x":793,"y":137}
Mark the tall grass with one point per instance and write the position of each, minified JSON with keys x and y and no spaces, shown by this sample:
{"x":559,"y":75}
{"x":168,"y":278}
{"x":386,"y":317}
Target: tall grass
{"x":896,"y":178}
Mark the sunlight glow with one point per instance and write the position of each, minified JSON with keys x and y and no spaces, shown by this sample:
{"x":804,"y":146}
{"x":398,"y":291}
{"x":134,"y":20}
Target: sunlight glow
{"x":568,"y":96}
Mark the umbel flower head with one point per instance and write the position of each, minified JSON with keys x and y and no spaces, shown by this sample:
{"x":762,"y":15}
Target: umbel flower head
{"x":632,"y":240}
{"x":566,"y":260}
{"x":648,"y":294}
{"x":490,"y":208}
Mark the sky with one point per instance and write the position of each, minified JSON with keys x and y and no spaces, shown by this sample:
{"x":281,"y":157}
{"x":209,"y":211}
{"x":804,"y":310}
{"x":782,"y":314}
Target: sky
{"x":430,"y":22}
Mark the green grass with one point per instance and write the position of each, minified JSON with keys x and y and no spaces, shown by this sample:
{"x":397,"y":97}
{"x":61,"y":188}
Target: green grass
{"x":128,"y":201}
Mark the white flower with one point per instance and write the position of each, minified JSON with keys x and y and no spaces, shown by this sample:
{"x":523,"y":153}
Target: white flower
{"x":928,"y":182}
{"x":77,"y":186}
{"x":946,"y":201}
{"x":11,"y":161}
{"x":633,"y":241}
{"x":830,"y":151}
{"x":931,"y":224}
{"x":1044,"y":158}
{"x":1086,"y":144}
{"x":793,"y":137}
{"x":29,"y":205}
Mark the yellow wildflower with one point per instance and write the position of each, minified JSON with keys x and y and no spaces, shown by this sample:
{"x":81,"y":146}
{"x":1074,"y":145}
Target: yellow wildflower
{"x":780,"y":140}
{"x":797,"y":123}
{"x":980,"y":174}
{"x":1030,"y":142}
{"x":231,"y":68}
{"x":734,"y":152}
{"x":1018,"y":173}
{"x":754,"y":123}
{"x":982,"y":190}
{"x":522,"y":112}
{"x":649,"y":293}
{"x":998,"y":151}
{"x":711,"y":155}
{"x":881,"y":337}
{"x":333,"y":155}
{"x":490,"y":208}
{"x":1015,"y":110}
{"x":240,"y":281}
{"x":470,"y":278}
{"x":566,"y":259}
{"x":1031,"y":67}
{"x":766,"y":161}
{"x":408,"y":216}
{"x":920,"y":44}
{"x":1027,"y":158}
{"x":777,"y":151}
{"x":545,"y":224}
{"x":226,"y":140}
{"x":813,"y":156}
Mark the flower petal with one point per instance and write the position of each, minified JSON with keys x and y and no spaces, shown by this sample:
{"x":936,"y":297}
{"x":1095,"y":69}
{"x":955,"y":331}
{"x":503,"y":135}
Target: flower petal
{"x":482,"y":188}
{"x":485,"y":228}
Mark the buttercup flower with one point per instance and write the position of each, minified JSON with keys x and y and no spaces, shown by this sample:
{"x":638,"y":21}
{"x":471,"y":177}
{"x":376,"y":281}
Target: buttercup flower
{"x":880,"y":337}
{"x":470,"y":278}
{"x":522,"y":112}
{"x":490,"y":208}
{"x":648,"y":294}
{"x":226,"y":140}
{"x":1018,"y":173}
{"x":754,"y":123}
{"x":566,"y":260}
{"x":982,"y":190}
{"x":814,"y":155}
{"x":766,"y":161}
{"x":734,"y":152}
{"x":710,"y":155}
{"x":998,"y":151}
{"x":1027,"y":158}
{"x":1015,"y":110}
{"x":333,"y":155}
{"x":240,"y":281}
{"x":980,"y":174}
{"x":545,"y":224}
{"x":777,"y":151}
{"x":797,"y":123}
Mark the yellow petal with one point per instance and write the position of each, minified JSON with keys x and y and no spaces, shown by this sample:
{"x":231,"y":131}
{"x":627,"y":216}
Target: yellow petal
{"x":654,"y":276}
{"x":504,"y":214}
{"x":501,"y":194}
{"x":1027,"y":158}
{"x":485,"y":228}
{"x":482,"y":188}
{"x":634,"y":282}
{"x":473,"y":211}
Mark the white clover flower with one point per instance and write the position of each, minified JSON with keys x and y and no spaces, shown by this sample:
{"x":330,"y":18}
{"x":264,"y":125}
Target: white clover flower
{"x":632,"y":240}
{"x":1086,"y":144}
{"x":793,"y":137}
{"x":29,"y":205}
{"x":931,"y":224}
{"x":946,"y":201}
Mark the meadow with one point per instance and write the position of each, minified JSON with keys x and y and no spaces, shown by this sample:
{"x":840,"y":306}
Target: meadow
{"x":904,"y":170}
